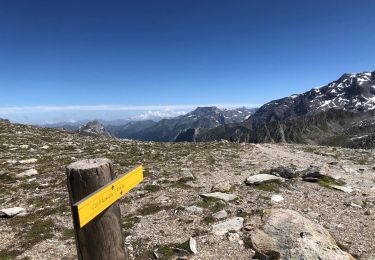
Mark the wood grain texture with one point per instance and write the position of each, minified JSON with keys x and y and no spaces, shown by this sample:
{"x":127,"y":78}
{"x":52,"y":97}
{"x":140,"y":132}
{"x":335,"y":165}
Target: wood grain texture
{"x":102,"y":237}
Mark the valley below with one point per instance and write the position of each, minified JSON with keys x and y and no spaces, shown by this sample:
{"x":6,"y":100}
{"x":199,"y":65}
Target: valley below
{"x":319,"y":202}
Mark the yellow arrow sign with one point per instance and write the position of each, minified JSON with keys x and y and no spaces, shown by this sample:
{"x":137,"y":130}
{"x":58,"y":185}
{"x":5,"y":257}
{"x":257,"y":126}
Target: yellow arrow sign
{"x":92,"y":205}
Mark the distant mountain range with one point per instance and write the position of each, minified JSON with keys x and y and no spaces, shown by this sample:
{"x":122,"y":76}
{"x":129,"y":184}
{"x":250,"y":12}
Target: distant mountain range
{"x":169,"y":130}
{"x":339,"y":113}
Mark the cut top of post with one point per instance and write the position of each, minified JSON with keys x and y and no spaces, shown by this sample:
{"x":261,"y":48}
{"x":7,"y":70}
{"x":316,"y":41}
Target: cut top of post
{"x":89,"y":164}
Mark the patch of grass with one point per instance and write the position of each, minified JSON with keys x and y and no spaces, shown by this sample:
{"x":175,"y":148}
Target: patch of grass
{"x":152,"y":188}
{"x":150,"y":209}
{"x":362,"y":161}
{"x":8,"y":255}
{"x":212,"y":204}
{"x":339,"y":140}
{"x":309,"y":149}
{"x":40,"y":231}
{"x":342,"y":247}
{"x":208,"y":219}
{"x":29,"y":185}
{"x":327,"y":181}
{"x":166,"y":252}
{"x":129,"y":222}
{"x":242,"y":213}
{"x":68,"y":233}
{"x":211,"y":160}
{"x":247,"y":242}
{"x":274,"y":187}
{"x":180,"y":184}
{"x":170,"y":251}
{"x":146,"y":173}
{"x":258,"y":212}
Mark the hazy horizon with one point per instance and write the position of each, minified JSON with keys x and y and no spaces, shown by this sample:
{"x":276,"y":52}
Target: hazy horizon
{"x":56,"y":114}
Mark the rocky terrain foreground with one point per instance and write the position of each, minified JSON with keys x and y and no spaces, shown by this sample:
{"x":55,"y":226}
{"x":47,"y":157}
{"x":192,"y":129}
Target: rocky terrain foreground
{"x":214,"y":200}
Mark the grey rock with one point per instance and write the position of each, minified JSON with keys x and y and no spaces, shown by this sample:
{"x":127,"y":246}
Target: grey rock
{"x":345,"y":189}
{"x":193,"y":245}
{"x":194,"y":209}
{"x":27,"y":173}
{"x":219,"y":195}
{"x":312,"y":172}
{"x":222,"y":187}
{"x":285,"y":234}
{"x":186,"y":176}
{"x":26,"y":161}
{"x":234,"y":224}
{"x":11,"y":212}
{"x":284,"y":172}
{"x":222,"y":214}
{"x":277,"y":198}
{"x":263,"y":178}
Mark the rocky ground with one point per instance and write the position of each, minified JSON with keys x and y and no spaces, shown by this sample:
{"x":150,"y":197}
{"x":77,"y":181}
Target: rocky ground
{"x":168,"y":208}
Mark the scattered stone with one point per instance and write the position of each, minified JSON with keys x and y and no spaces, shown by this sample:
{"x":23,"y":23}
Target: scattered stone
{"x":193,"y":245}
{"x":219,"y":195}
{"x":222,"y":214}
{"x":312,"y":172}
{"x":11,"y":212}
{"x":187,"y":176}
{"x":234,"y":224}
{"x":263,"y":178}
{"x":333,"y":163}
{"x":349,"y":170}
{"x":12,"y":161}
{"x":44,"y":147}
{"x":194,"y":209}
{"x":285,"y":234}
{"x":32,"y":160}
{"x":277,"y":198}
{"x":353,"y":205}
{"x":222,"y":187}
{"x":28,"y":173}
{"x":253,"y":163}
{"x":233,"y":236}
{"x":346,"y":189}
{"x":310,"y":179}
{"x":284,"y":172}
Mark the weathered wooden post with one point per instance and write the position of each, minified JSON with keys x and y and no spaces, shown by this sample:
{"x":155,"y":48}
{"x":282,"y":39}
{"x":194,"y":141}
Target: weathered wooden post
{"x":101,"y":238}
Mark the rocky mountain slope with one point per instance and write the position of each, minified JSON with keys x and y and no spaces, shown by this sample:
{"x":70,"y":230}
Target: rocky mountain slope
{"x":340,"y":113}
{"x":94,"y":128}
{"x":236,"y":201}
{"x":351,"y":92}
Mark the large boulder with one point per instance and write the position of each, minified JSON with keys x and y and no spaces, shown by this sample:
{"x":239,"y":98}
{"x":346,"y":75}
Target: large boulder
{"x":285,"y":234}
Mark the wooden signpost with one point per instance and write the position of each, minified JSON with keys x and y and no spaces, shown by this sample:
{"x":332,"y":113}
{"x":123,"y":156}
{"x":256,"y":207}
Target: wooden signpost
{"x":94,"y":194}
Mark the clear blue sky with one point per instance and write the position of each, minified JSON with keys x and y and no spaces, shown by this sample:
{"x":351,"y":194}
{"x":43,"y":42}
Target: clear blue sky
{"x":57,"y":53}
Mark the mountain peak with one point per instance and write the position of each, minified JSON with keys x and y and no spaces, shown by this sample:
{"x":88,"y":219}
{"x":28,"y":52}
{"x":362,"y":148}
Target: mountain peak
{"x":93,"y":128}
{"x":352,"y":92}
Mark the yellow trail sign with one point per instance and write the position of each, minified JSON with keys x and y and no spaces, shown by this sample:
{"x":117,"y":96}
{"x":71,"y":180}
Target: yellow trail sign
{"x":92,"y":205}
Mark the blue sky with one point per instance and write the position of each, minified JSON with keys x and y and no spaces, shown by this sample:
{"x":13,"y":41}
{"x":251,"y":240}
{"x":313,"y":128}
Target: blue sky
{"x":172,"y":55}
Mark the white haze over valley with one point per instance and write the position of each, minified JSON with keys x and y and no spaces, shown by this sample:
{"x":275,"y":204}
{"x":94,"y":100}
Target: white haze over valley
{"x":73,"y":113}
